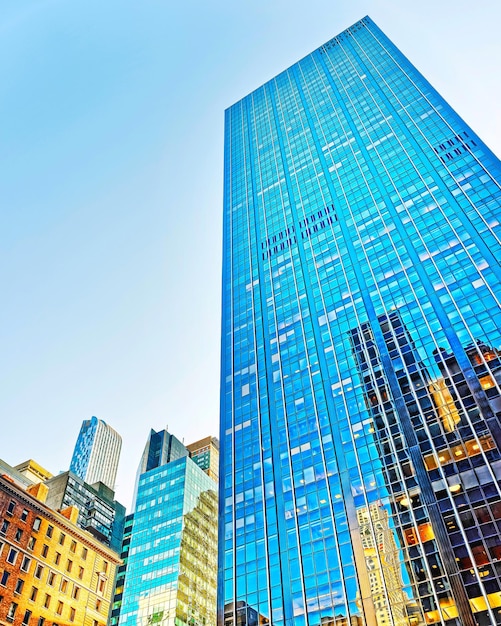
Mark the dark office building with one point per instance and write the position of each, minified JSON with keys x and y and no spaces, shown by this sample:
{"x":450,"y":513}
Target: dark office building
{"x":99,"y":512}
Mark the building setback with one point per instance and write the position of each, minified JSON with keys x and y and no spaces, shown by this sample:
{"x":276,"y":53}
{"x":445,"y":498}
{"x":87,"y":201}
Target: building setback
{"x":360,"y":381}
{"x":51,"y":572}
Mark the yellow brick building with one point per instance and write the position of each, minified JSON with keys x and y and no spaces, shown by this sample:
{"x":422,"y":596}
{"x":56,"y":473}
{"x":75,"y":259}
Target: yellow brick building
{"x":51,"y":571}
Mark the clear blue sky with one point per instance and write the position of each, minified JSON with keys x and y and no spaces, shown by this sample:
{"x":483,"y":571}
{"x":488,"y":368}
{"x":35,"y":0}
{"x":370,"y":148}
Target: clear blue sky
{"x":111,"y":141}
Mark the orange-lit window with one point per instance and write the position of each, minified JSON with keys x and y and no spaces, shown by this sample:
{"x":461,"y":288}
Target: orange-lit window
{"x":487,"y":382}
{"x":469,"y":448}
{"x":426,"y":532}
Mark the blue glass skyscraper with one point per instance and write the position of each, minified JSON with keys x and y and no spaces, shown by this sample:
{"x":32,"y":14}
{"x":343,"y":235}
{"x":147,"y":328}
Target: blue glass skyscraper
{"x":361,"y":372}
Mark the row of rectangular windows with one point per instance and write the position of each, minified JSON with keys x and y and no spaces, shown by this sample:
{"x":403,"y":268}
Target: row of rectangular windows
{"x":310,"y":219}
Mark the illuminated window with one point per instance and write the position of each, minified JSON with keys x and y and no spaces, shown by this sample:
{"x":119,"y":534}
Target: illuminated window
{"x":487,"y":382}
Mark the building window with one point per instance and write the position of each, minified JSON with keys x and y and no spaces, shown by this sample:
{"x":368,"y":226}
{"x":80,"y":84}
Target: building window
{"x":19,"y":534}
{"x":73,"y":546}
{"x":59,"y":609}
{"x":76,"y":592}
{"x":62,"y":537}
{"x":31,"y":543}
{"x":4,"y":527}
{"x":51,"y":578}
{"x":25,"y":565}
{"x":19,"y":585}
{"x":34,"y":593}
{"x":26,"y":618}
{"x":57,"y":558}
{"x":38,"y":571}
{"x":24,"y":515}
{"x":4,"y":578}
{"x":64,"y":585}
{"x":72,"y":614}
{"x":12,"y":556}
{"x":105,"y":567}
{"x":47,"y":601}
{"x":69,"y":565}
{"x":98,"y":604}
{"x":12,"y":612}
{"x":101,"y":584}
{"x":50,"y":530}
{"x":36,"y":524}
{"x":80,"y":573}
{"x":41,"y":621}
{"x":45,"y":550}
{"x":11,"y":507}
{"x":84,"y":553}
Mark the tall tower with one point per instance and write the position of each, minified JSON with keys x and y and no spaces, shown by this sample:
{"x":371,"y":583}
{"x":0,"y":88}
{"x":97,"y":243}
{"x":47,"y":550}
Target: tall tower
{"x":360,"y":383}
{"x":97,"y":452}
{"x":170,"y":551}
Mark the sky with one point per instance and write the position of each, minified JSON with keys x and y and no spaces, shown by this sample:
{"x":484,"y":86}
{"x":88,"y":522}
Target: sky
{"x":111,"y":152}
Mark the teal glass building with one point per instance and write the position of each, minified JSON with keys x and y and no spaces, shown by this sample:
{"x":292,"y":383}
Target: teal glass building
{"x":170,"y":547}
{"x":360,"y":384}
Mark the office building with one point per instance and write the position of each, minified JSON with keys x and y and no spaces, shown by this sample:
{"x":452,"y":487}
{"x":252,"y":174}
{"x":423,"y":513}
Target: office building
{"x":97,"y":452}
{"x":205,"y":453}
{"x":170,"y":549}
{"x":99,"y":513}
{"x":360,"y":381}
{"x":51,"y":571}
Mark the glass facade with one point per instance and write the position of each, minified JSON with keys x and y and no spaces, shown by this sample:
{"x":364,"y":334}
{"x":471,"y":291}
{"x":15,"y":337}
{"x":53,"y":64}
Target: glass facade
{"x":360,"y":388}
{"x":99,"y":512}
{"x":171,"y":547}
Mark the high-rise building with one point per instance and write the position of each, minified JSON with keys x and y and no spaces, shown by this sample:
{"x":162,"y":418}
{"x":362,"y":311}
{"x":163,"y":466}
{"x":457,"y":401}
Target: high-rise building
{"x":97,"y":452}
{"x":360,"y":381}
{"x":170,"y":548}
{"x":205,"y":453}
{"x":99,"y":512}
